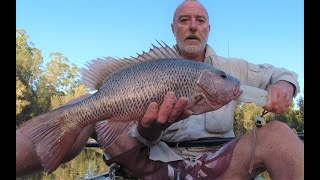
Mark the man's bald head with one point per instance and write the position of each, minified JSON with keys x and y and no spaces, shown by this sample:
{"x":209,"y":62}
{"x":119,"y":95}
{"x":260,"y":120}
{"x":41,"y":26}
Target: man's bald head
{"x":190,"y":3}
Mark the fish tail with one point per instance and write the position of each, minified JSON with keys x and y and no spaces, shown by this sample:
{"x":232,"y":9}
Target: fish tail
{"x":51,"y":136}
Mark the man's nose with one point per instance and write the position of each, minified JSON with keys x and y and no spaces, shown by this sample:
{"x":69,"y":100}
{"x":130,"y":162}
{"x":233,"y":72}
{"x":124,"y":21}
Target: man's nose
{"x":193,"y":25}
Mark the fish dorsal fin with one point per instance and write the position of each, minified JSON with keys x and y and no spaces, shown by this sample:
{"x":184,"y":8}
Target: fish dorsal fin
{"x":162,"y":52}
{"x":101,"y":68}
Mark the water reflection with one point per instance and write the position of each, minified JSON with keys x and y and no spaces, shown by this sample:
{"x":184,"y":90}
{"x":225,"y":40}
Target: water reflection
{"x":87,"y":164}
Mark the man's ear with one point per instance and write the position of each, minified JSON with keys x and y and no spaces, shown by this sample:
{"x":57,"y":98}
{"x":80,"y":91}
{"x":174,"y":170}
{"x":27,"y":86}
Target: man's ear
{"x":172,"y":29}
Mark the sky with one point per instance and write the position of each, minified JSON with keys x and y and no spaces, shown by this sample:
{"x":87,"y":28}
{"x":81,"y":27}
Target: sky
{"x":269,"y":31}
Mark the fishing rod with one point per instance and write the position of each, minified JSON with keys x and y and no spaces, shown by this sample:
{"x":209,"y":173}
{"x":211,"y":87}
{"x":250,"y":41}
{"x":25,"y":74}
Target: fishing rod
{"x":197,"y":143}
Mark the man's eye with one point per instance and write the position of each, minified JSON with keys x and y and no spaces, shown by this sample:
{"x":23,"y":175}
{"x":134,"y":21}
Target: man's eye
{"x":201,"y":20}
{"x":183,"y":20}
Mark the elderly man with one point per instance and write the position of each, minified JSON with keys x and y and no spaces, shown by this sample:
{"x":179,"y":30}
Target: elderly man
{"x":141,"y":150}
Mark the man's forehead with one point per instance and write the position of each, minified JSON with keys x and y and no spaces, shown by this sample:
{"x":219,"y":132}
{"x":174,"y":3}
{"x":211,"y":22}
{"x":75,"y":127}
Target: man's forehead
{"x":191,"y":8}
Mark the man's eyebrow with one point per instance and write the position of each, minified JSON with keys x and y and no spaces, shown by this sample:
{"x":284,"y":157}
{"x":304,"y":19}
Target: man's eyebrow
{"x":183,"y":16}
{"x":188,"y":16}
{"x":201,"y":16}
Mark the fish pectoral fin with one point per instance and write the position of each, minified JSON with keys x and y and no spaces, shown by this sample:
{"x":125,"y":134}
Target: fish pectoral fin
{"x":108,"y":131}
{"x":52,"y":140}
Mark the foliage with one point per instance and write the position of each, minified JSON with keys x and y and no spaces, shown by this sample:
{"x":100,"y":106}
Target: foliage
{"x":245,"y":115}
{"x":59,"y":75}
{"x":57,"y":101}
{"x":292,"y":117}
{"x":20,"y":102}
{"x":301,"y":107}
{"x":40,"y":89}
{"x":28,"y":61}
{"x":60,"y":81}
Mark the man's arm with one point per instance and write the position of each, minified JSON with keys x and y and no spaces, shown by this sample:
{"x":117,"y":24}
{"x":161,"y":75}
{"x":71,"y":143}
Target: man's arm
{"x":282,"y":85}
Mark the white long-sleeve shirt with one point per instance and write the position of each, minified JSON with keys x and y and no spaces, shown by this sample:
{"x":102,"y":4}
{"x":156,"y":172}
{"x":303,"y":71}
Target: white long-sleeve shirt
{"x":218,"y":123}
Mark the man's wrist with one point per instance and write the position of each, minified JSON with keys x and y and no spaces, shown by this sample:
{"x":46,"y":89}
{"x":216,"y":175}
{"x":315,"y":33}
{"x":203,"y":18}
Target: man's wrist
{"x":135,"y":133}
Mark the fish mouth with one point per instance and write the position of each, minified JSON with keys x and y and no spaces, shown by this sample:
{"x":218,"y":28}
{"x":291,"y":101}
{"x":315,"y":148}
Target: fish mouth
{"x":236,"y":92}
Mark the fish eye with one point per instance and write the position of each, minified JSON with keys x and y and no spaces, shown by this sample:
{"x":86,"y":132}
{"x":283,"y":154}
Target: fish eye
{"x":223,"y":75}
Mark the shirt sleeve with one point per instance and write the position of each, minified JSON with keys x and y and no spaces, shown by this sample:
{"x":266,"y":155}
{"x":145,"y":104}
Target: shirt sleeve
{"x":262,"y":75}
{"x":257,"y":75}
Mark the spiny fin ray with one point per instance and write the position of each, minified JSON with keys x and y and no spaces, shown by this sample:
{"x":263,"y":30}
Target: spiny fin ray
{"x":97,"y":70}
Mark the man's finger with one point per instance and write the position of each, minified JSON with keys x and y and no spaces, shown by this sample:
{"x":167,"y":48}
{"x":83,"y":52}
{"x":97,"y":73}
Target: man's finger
{"x":150,"y":116}
{"x":178,"y":109}
{"x":271,"y":97}
{"x":166,"y":108}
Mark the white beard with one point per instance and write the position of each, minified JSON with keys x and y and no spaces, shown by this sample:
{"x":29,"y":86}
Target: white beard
{"x":191,"y":49}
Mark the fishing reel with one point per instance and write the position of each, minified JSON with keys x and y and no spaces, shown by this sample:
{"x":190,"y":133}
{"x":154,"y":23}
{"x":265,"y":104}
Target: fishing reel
{"x":260,"y":121}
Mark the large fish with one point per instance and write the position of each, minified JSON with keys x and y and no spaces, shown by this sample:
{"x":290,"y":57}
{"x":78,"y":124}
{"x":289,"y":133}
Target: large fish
{"x":125,"y":88}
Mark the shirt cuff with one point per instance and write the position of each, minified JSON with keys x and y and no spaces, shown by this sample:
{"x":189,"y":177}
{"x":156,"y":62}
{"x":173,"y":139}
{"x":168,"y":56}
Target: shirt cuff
{"x":135,"y":133}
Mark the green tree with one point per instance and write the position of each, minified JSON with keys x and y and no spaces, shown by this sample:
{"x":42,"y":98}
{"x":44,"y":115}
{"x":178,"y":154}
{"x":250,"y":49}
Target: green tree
{"x":58,"y":81}
{"x":301,"y":107}
{"x":28,"y":59}
{"x":65,"y":80}
{"x":40,"y":89}
{"x":61,"y":76}
{"x":28,"y":62}
{"x":245,"y":116}
{"x":292,"y":117}
{"x":20,"y":91}
{"x":79,"y":90}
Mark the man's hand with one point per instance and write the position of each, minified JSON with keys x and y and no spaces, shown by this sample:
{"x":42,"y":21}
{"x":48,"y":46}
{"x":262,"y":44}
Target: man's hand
{"x":280,"y":96}
{"x":158,"y":118}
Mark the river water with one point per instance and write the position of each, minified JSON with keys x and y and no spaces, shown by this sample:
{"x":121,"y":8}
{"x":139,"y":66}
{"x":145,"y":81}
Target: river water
{"x":87,"y":164}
